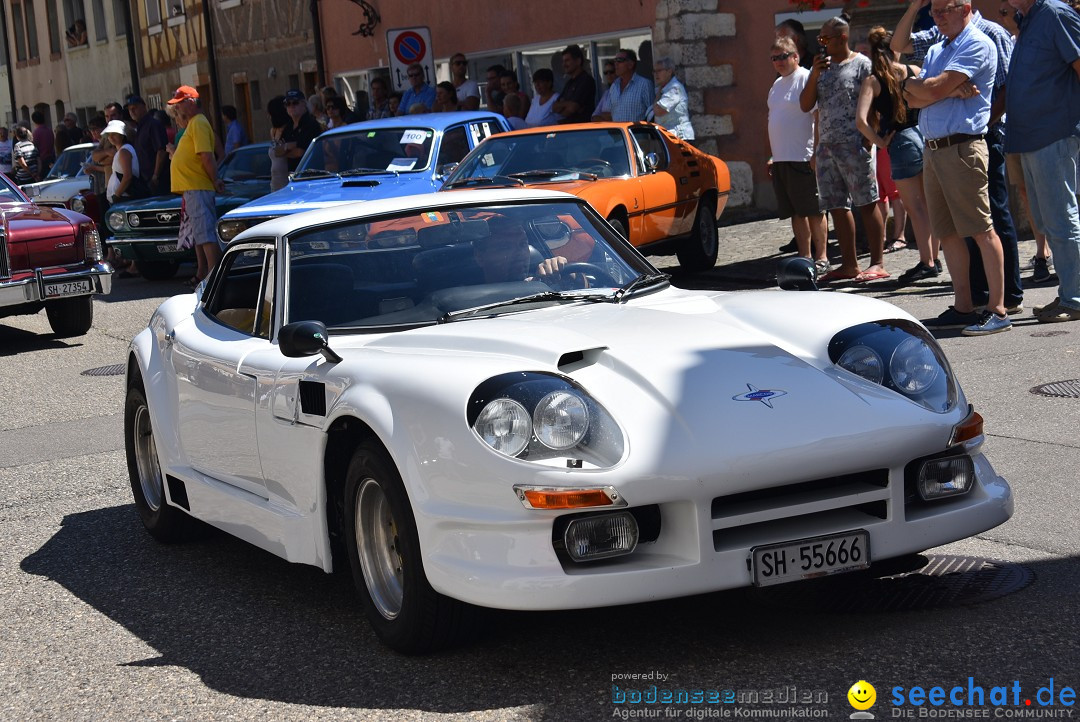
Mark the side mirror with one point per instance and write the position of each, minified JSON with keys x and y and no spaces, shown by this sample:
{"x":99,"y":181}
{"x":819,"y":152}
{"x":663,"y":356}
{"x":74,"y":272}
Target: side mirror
{"x":797,"y":274}
{"x":652,"y":161}
{"x":446,"y":170}
{"x":306,"y":338}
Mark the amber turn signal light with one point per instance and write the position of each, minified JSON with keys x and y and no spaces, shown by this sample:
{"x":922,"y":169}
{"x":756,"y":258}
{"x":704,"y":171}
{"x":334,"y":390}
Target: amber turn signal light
{"x":535,"y":498}
{"x":968,"y":429}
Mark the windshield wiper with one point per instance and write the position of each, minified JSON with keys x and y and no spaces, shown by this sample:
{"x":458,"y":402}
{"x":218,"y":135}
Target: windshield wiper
{"x":532,"y":298}
{"x":313,"y":173}
{"x":550,"y":173}
{"x":477,"y":180}
{"x":365,"y":171}
{"x":645,"y":279}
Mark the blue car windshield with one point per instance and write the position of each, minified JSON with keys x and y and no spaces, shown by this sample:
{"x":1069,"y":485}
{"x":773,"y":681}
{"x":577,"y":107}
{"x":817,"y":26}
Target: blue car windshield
{"x":601,"y":152}
{"x":426,"y":267}
{"x":383,"y":149}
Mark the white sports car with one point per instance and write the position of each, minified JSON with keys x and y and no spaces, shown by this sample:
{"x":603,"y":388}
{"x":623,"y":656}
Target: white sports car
{"x":489,"y":399}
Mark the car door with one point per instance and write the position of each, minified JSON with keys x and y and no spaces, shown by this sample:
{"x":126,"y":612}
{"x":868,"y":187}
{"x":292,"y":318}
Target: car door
{"x":217,"y":386}
{"x":666,"y":188}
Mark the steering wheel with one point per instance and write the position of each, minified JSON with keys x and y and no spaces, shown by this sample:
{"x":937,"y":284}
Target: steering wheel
{"x":592,"y":272}
{"x":591,"y":164}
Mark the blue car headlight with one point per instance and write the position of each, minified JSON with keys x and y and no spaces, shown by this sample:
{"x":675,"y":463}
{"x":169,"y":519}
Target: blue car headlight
{"x":537,"y":416}
{"x":899,"y":355}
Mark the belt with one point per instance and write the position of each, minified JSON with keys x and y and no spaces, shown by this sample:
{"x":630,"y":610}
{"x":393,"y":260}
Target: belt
{"x":939,"y":143}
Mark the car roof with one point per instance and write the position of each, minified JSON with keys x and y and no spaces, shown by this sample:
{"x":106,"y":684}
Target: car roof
{"x":284,"y":225}
{"x":434,"y":121}
{"x":576,"y":126}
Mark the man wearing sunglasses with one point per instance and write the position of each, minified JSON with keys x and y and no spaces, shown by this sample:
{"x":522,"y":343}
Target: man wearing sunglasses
{"x":298,"y":135}
{"x":468,"y":92}
{"x":419,"y":92}
{"x":631,"y":95}
{"x":954,"y":92}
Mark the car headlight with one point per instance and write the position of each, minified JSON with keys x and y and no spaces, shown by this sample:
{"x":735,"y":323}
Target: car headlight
{"x":901,"y":356}
{"x":133,"y":220}
{"x":538,"y":416}
{"x":115,"y":221}
{"x":229,"y":229}
{"x":78,"y":204}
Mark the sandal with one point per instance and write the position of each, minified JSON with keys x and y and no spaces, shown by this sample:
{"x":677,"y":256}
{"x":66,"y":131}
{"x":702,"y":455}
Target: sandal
{"x":898,"y":245}
{"x":837,"y":274}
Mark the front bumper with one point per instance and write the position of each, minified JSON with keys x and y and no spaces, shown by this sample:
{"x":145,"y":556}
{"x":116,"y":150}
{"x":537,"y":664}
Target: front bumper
{"x":30,"y":287}
{"x":704,"y":544}
{"x":152,"y":248}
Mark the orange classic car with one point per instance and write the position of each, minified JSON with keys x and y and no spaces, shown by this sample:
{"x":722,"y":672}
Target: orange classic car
{"x":659,"y":192}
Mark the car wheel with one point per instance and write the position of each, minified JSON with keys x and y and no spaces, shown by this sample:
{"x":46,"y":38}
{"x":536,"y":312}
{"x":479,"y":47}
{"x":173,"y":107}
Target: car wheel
{"x":617,"y":224}
{"x":157,"y":270}
{"x":70,"y":316}
{"x":165,"y":523}
{"x":384,"y":554}
{"x":698,"y":252}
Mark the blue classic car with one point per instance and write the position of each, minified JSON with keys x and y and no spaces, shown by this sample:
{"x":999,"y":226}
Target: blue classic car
{"x":372,"y":160}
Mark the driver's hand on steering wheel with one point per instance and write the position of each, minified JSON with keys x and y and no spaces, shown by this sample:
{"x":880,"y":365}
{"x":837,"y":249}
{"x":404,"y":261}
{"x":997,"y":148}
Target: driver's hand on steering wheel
{"x":551,"y":266}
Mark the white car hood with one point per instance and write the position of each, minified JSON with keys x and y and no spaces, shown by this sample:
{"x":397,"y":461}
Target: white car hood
{"x":57,"y":191}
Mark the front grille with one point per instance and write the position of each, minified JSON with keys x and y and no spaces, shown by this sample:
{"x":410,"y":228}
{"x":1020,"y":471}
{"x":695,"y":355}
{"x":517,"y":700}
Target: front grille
{"x":5,"y":258}
{"x":154,"y":219}
{"x":753,"y":517}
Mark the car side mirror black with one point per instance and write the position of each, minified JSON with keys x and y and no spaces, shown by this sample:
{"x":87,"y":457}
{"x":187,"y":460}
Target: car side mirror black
{"x":306,"y":338}
{"x":797,"y":274}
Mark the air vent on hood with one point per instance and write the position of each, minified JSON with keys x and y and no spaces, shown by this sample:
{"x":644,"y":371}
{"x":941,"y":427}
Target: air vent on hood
{"x":574,"y":360}
{"x":359,"y":183}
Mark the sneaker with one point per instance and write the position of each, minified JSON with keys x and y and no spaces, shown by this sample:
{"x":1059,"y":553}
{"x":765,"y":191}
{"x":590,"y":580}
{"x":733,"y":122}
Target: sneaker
{"x":951,"y":318}
{"x":937,"y":264}
{"x":789,"y":247}
{"x":1040,"y":270}
{"x":1059,"y":314}
{"x":1013,"y":310}
{"x":988,"y":323}
{"x":918,"y":272}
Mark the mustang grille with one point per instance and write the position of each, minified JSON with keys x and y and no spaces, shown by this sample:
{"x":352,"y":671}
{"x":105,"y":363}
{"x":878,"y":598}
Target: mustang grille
{"x":166,"y":218}
{"x":5,"y":259}
{"x":752,"y":517}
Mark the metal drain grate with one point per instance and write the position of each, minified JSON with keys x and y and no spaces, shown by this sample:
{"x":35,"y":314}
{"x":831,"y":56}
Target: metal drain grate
{"x":1060,"y":389}
{"x":114,"y":370}
{"x":944,"y":581}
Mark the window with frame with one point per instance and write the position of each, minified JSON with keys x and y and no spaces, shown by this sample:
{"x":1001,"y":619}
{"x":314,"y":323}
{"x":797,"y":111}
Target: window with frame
{"x":20,"y":31}
{"x":649,"y":141}
{"x":454,"y":147}
{"x":75,"y":17}
{"x":120,"y":7}
{"x":31,"y":31}
{"x":153,"y":13}
{"x":243,"y":295}
{"x":101,"y":32}
{"x":52,"y":17}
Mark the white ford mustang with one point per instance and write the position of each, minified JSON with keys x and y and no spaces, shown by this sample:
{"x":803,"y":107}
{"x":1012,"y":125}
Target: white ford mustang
{"x":489,"y":399}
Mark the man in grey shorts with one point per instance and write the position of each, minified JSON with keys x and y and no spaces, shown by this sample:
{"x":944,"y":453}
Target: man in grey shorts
{"x":846,"y":171}
{"x":791,"y":139}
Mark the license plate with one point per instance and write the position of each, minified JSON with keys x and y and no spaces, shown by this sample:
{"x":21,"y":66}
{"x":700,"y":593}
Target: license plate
{"x":809,"y":558}
{"x":168,"y":248}
{"x":56,"y":289}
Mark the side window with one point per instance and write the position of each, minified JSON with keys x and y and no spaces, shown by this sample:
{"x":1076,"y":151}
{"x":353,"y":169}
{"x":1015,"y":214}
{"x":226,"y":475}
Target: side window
{"x":242,"y":298}
{"x":454,"y":146}
{"x":649,"y":141}
{"x":483,"y":129}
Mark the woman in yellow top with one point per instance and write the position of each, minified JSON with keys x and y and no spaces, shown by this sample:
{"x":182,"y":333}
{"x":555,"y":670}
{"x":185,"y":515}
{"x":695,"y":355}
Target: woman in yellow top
{"x":194,"y":174}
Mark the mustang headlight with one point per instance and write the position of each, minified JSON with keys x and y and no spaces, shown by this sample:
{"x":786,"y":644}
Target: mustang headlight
{"x":543,"y":417}
{"x":115,"y":221}
{"x":899,"y":355}
{"x":133,"y":220}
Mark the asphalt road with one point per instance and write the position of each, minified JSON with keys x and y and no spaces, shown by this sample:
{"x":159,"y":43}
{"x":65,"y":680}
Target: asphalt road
{"x":100,"y":622}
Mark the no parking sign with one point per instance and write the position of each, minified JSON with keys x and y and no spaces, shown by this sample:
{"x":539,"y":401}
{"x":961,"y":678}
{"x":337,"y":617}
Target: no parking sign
{"x":408,"y":46}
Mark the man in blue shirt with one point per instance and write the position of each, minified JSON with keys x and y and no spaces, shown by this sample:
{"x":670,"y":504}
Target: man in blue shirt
{"x":954,"y":91}
{"x":1043,"y":102}
{"x":419,"y":94}
{"x":630,"y":96}
{"x":917,"y":43}
{"x":235,"y":136}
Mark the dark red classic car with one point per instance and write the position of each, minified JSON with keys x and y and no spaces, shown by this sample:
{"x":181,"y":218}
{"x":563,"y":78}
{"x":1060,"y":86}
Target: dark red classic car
{"x":50,"y":258}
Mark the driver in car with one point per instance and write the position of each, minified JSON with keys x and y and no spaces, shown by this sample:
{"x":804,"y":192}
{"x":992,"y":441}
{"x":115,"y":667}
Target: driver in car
{"x":503,"y":255}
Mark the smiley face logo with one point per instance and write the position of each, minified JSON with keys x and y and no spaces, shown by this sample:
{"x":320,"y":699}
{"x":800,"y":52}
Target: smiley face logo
{"x":862,"y":695}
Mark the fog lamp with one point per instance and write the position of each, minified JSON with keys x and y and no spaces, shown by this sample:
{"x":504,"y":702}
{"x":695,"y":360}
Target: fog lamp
{"x":601,"y":537}
{"x":941,"y":478}
{"x":133,"y":220}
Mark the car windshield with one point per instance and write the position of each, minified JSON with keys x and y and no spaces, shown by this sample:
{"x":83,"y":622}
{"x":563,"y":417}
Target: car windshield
{"x":459,"y":263}
{"x":69,"y":164}
{"x":360,"y":151}
{"x":8,"y":192}
{"x":248,"y":163}
{"x":564,"y":155}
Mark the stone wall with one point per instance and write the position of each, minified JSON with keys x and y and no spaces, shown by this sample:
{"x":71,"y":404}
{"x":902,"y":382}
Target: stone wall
{"x":684,"y":31}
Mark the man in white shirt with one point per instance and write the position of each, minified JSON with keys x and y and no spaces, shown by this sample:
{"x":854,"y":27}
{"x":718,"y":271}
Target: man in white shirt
{"x":468,"y":92}
{"x":791,"y":137}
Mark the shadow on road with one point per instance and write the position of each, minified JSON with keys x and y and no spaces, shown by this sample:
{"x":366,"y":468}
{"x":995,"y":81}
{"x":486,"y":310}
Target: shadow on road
{"x":252,"y":625}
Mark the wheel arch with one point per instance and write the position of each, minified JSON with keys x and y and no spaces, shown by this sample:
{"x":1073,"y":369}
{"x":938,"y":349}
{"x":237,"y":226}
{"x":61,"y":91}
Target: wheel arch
{"x":344,"y":435}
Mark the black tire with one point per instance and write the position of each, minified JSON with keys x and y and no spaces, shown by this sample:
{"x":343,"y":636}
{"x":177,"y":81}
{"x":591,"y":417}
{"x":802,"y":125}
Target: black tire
{"x":70,"y":316}
{"x":698,"y":252}
{"x":616,"y":223}
{"x":384,"y":555}
{"x":165,"y":523}
{"x":157,"y":270}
